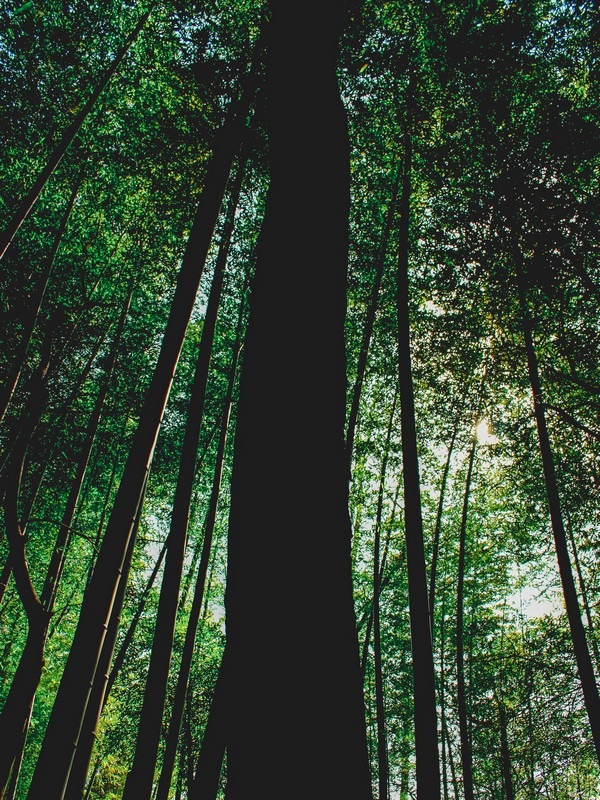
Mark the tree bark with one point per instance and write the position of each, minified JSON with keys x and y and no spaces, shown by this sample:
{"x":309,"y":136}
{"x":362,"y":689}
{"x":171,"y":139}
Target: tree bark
{"x":426,"y":744}
{"x":295,"y":715}
{"x":52,"y":771}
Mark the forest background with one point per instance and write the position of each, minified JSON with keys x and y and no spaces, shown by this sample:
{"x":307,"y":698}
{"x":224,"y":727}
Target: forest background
{"x":137,"y":145}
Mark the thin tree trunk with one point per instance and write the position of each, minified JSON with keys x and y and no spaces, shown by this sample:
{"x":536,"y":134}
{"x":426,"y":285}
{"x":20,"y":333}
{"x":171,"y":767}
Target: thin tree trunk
{"x":140,"y":778}
{"x":465,"y":742}
{"x":90,"y":785}
{"x":119,"y":659}
{"x":370,"y":320}
{"x":505,"y":751}
{"x":295,"y":714}
{"x":192,"y":626}
{"x":438,"y":528}
{"x":580,"y":646}
{"x":584,"y":594}
{"x":212,"y":751}
{"x":66,"y":139}
{"x":52,"y":771}
{"x":29,"y":501}
{"x":382,"y":754}
{"x":31,"y":314}
{"x":426,"y":744}
{"x":75,"y":788}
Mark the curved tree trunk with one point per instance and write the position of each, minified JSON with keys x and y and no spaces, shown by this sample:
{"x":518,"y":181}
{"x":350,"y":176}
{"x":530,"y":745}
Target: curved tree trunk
{"x":15,"y":712}
{"x":29,"y":671}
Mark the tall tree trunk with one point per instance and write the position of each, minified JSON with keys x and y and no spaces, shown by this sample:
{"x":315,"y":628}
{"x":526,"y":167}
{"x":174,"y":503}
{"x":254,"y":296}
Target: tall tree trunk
{"x":580,"y":646}
{"x":438,"y":528}
{"x":32,"y":313}
{"x":212,"y":750}
{"x":584,"y":594}
{"x":426,"y":744}
{"x":52,"y":771}
{"x":465,"y":741}
{"x":382,"y":754}
{"x":295,"y":715}
{"x":192,"y":626}
{"x":67,"y":137}
{"x":370,"y":320}
{"x":140,"y":778}
{"x":507,"y":782}
{"x":98,"y":691}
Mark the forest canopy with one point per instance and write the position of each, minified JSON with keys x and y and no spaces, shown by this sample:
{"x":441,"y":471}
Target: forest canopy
{"x":299,"y":400}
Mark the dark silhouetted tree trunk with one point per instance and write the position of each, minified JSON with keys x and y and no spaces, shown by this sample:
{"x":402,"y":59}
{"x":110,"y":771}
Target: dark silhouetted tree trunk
{"x":212,"y":750}
{"x":98,"y":691}
{"x":465,"y":741}
{"x":382,"y":749}
{"x":426,"y":740}
{"x":438,"y":528}
{"x":295,"y":716}
{"x":507,"y":781}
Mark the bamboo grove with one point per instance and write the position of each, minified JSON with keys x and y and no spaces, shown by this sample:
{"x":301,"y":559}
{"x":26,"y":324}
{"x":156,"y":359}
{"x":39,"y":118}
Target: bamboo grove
{"x":299,"y":417}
